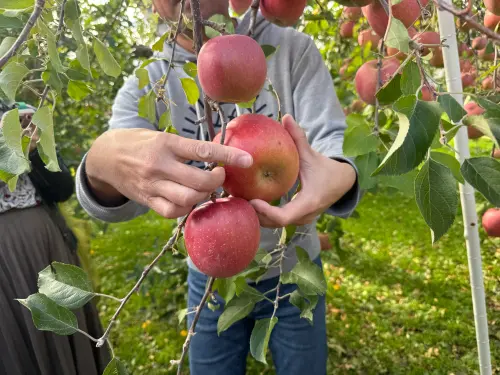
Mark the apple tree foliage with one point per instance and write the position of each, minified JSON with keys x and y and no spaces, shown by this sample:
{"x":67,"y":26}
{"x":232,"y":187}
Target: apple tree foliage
{"x":71,"y":55}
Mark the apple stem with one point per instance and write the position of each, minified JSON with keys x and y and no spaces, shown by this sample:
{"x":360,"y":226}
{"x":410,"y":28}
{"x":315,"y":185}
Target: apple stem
{"x":255,"y":8}
{"x":190,"y":334}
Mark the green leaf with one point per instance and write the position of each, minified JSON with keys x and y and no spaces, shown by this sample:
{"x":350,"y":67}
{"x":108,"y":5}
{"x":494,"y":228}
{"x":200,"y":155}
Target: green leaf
{"x":418,"y":123}
{"x":220,"y":19}
{"x":259,"y":340}
{"x":404,"y":183}
{"x":51,"y":77}
{"x":191,"y":69}
{"x":148,"y":61}
{"x":115,"y":367}
{"x":226,"y":288}
{"x":13,"y":161}
{"x":106,"y":61}
{"x":11,"y":77}
{"x":397,"y":36}
{"x":366,"y":164}
{"x":287,"y":234}
{"x":15,"y":4}
{"x":49,"y":316}
{"x":454,"y":110}
{"x":305,"y":304}
{"x":72,"y":20}
{"x":483,"y":173}
{"x":43,"y":119}
{"x":492,"y":109}
{"x":450,"y":162}
{"x":10,"y":23}
{"x":359,"y":138}
{"x":165,"y":123}
{"x":306,"y":274}
{"x":269,"y":50}
{"x":245,"y":105}
{"x":147,"y":106}
{"x":447,"y":126}
{"x":7,"y":42}
{"x":410,"y":80}
{"x":489,"y":127}
{"x":191,"y":90}
{"x":67,"y":285}
{"x":235,"y":310}
{"x":78,"y":90}
{"x":390,"y":91}
{"x":181,"y":314}
{"x":159,"y":44}
{"x":50,"y":38}
{"x":143,"y":76}
{"x":436,"y":196}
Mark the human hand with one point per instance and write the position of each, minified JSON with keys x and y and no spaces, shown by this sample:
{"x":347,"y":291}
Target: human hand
{"x":323,"y":182}
{"x":149,"y":167}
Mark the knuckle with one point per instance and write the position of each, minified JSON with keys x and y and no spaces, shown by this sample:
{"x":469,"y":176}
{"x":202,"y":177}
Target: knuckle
{"x":204,"y":150}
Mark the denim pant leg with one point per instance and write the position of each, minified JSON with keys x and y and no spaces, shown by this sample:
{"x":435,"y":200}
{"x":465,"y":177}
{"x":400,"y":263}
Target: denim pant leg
{"x":210,"y":354}
{"x":296,"y":346}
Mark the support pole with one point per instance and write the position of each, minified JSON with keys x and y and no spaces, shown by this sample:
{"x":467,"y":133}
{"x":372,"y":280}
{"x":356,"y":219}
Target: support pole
{"x":471,"y":232}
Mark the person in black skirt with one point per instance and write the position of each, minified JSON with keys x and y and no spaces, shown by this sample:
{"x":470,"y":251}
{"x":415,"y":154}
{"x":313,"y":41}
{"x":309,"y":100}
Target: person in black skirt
{"x":33,"y":234}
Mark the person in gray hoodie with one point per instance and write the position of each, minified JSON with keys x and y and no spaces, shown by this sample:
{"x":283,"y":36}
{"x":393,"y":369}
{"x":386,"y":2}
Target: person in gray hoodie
{"x":134,"y":167}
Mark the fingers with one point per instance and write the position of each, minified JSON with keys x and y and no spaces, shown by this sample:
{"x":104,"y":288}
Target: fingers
{"x":299,"y":212}
{"x":181,"y":196}
{"x":196,"y":178}
{"x":167,"y":209}
{"x":189,"y":149}
{"x":296,"y":132}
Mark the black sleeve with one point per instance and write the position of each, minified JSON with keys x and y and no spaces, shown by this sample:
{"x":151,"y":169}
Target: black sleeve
{"x":52,"y":186}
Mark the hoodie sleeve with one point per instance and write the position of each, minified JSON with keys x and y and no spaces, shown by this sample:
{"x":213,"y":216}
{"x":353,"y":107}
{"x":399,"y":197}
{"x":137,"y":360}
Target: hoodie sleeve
{"x":318,"y":111}
{"x":124,"y":115}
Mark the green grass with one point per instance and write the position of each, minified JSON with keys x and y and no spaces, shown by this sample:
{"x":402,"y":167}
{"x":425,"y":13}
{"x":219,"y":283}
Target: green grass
{"x":396,"y":304}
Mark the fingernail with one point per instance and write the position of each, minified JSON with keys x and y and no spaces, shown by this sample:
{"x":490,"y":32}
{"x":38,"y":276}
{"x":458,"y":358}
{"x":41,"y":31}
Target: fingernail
{"x":245,"y":161}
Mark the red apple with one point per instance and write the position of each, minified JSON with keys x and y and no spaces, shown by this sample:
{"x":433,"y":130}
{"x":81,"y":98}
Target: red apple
{"x":352,"y":13}
{"x":473,"y":109}
{"x":222,"y":238}
{"x":427,"y":94}
{"x":496,"y":153}
{"x":275,"y":166}
{"x":240,"y":6}
{"x":465,"y":50}
{"x":232,"y":68}
{"x":479,"y":43}
{"x":394,"y":52}
{"x":407,"y":11}
{"x":491,"y":20}
{"x":493,"y":6}
{"x":468,"y":79}
{"x":282,"y":12}
{"x":491,"y":222}
{"x":431,"y":37}
{"x":346,"y":29}
{"x":367,"y":36}
{"x":486,"y":56}
{"x":367,"y":74}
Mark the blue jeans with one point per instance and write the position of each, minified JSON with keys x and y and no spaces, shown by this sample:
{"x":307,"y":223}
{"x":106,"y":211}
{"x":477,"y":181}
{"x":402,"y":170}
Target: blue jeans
{"x":296,"y":346}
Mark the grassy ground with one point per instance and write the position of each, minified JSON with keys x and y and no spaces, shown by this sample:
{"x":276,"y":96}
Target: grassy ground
{"x":396,"y":304}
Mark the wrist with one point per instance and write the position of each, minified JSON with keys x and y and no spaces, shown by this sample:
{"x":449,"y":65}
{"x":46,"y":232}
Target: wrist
{"x":103,"y":192}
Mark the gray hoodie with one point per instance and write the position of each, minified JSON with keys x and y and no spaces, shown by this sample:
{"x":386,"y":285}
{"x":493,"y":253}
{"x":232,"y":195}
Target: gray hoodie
{"x":306,"y":91}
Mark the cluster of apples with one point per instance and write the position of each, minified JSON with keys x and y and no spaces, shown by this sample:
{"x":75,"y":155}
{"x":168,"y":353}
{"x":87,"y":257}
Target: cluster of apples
{"x":222,"y":236}
{"x":279,"y":12}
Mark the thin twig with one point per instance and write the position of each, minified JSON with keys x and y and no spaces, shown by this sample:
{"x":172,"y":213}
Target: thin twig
{"x":169,"y":245}
{"x":208,"y":117}
{"x":468,"y":8}
{"x":470,"y":20}
{"x":177,"y":32}
{"x":190,"y":334}
{"x":37,"y":11}
{"x":255,"y":8}
{"x":222,"y":121}
{"x":221,"y":28}
{"x":495,"y":74}
{"x":277,"y":98}
{"x":376,"y":128}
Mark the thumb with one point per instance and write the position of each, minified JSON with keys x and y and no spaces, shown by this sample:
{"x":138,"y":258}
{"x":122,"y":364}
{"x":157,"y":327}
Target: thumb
{"x":297,"y":133}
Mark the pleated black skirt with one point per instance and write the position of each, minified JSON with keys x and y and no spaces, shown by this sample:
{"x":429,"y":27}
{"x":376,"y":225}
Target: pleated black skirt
{"x":29,"y":242}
